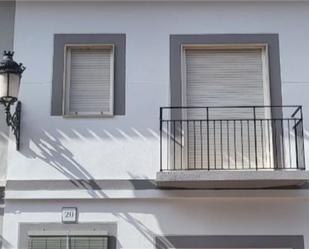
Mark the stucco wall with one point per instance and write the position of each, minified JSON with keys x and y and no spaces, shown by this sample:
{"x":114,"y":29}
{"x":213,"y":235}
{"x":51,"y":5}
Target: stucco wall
{"x":7,"y":14}
{"x":139,"y":221}
{"x":128,"y":146}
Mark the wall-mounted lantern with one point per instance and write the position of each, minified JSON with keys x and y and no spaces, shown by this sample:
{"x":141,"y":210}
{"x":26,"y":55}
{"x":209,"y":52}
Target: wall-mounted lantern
{"x":10,"y":75}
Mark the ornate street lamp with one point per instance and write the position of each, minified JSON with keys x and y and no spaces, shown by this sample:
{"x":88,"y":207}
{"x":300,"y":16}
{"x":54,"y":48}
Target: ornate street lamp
{"x":10,"y":75}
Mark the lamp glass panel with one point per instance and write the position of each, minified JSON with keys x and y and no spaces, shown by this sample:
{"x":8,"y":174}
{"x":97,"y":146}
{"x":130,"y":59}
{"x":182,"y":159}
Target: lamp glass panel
{"x":14,"y":85}
{"x":3,"y":85}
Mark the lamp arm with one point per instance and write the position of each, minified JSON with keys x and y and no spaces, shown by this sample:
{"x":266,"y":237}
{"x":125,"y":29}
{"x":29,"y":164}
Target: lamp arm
{"x":13,"y":120}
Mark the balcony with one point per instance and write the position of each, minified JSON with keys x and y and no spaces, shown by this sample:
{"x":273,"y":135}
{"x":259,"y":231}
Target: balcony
{"x":231,"y":147}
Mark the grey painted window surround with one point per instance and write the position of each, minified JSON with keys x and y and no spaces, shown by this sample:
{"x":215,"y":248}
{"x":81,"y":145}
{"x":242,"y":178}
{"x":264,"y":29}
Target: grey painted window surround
{"x":53,"y":228}
{"x":119,"y":42}
{"x":272,"y":40}
{"x":200,"y":241}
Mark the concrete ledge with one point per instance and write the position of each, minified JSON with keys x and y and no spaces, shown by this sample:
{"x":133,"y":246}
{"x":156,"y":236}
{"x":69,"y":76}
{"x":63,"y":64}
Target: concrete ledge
{"x":224,"y":179}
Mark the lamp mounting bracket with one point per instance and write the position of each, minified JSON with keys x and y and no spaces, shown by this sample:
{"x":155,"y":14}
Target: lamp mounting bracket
{"x":13,"y":120}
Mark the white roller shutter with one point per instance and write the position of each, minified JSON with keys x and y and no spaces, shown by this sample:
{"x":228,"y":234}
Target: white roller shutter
{"x":89,"y":81}
{"x":223,"y":77}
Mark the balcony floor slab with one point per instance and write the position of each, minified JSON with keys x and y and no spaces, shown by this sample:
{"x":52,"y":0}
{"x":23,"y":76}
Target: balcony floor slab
{"x":224,"y":179}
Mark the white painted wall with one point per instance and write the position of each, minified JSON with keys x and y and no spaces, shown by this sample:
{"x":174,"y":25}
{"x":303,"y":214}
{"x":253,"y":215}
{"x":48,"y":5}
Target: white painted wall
{"x":128,"y":146}
{"x":139,"y":221}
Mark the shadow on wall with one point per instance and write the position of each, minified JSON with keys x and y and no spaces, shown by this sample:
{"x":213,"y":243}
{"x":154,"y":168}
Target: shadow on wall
{"x":4,"y":133}
{"x":4,"y":243}
{"x":48,"y":146}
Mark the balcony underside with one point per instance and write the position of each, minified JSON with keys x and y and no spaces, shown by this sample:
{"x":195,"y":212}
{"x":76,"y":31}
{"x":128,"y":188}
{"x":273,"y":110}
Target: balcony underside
{"x":216,"y":179}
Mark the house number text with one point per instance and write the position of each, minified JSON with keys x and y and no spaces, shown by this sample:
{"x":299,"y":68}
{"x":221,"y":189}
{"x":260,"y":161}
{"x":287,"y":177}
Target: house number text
{"x":69,"y":215}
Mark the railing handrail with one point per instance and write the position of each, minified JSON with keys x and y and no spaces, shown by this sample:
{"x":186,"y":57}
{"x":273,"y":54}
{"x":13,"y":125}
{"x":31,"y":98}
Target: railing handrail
{"x":234,"y":119}
{"x":232,"y":106}
{"x":298,"y":110}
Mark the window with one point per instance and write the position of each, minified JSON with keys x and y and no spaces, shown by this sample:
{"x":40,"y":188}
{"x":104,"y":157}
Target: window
{"x":89,"y":75}
{"x":221,"y":75}
{"x":225,"y":70}
{"x":89,"y":80}
{"x":217,"y":75}
{"x":68,"y":242}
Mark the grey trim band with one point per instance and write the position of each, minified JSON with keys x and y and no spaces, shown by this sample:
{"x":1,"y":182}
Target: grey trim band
{"x":273,"y":49}
{"x":115,"y":184}
{"x":186,"y":241}
{"x":80,"y":184}
{"x":119,"y":41}
{"x":52,"y":228}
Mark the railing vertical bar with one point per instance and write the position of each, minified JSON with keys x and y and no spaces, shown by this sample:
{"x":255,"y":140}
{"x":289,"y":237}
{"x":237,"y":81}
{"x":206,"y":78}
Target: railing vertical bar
{"x":161,"y":152}
{"x":228,"y":143}
{"x":275,"y":144}
{"x":289,"y":139}
{"x":174,"y":142}
{"x":215,"y":150}
{"x":181,"y":147}
{"x":201,"y":138}
{"x":270,"y":154}
{"x":249,"y":149}
{"x":282,"y":144}
{"x":168,"y":145}
{"x":194,"y":144}
{"x":302,"y":138}
{"x":221,"y":144}
{"x":235,"y":152}
{"x":255,"y":139}
{"x":296,"y":145}
{"x":242,"y":144}
{"x":262,"y":143}
{"x":188,"y":145}
{"x":207,"y":118}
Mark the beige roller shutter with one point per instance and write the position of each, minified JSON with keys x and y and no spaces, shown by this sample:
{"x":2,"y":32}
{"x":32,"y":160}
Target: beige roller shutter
{"x":68,"y":242}
{"x":223,"y":77}
{"x":88,"y":243}
{"x":48,"y":242}
{"x":89,"y":81}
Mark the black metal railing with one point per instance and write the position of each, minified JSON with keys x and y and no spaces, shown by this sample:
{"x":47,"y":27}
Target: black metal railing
{"x":232,"y":138}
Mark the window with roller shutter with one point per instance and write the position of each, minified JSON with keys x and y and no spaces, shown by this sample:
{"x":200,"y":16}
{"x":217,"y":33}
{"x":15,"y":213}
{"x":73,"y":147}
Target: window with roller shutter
{"x":224,"y":76}
{"x":68,"y":242}
{"x":89,"y":81}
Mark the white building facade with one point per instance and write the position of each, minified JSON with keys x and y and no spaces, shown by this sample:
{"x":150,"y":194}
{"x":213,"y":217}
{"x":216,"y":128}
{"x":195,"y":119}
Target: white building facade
{"x":100,"y":152}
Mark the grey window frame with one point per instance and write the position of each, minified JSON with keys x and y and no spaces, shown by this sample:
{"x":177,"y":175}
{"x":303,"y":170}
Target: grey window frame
{"x":177,"y":41}
{"x":61,"y":40}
